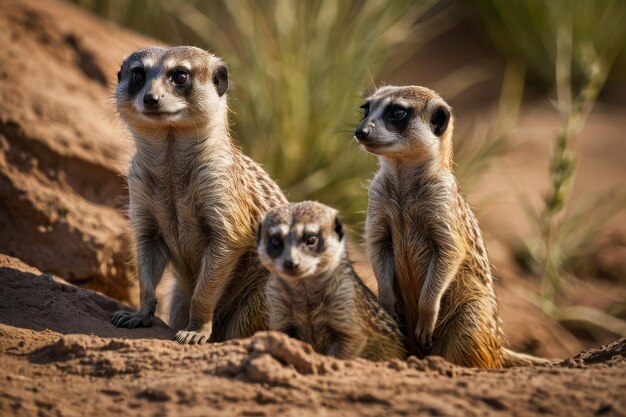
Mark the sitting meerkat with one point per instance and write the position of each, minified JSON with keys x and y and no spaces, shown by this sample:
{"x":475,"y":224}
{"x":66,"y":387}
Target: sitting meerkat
{"x":423,"y":239}
{"x":314,"y":294}
{"x":195,"y":199}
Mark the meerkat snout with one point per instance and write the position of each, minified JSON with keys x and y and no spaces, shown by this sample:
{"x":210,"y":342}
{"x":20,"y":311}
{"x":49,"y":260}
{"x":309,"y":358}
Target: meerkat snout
{"x":411,"y":123}
{"x":151,"y":100}
{"x":291,"y":265}
{"x":180,"y":86}
{"x":363,"y":131}
{"x":295,"y":245}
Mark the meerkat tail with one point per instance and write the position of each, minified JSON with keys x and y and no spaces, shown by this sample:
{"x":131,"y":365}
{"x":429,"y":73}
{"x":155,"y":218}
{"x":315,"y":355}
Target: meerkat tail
{"x":512,"y":359}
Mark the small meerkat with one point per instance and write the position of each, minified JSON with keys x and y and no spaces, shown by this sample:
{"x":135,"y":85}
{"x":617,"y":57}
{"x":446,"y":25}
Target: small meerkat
{"x":314,"y":294}
{"x":195,"y":198}
{"x":423,"y":239}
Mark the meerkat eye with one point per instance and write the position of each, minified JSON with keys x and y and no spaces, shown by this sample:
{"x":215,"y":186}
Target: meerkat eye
{"x":138,"y":76}
{"x":398,"y":113}
{"x":275,"y":242}
{"x":311,"y":240}
{"x":180,"y":77}
{"x":366,"y":110}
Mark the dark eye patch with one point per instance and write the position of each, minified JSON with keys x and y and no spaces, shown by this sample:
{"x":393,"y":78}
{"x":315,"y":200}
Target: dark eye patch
{"x":138,"y":76}
{"x":311,"y":240}
{"x":136,"y":80}
{"x":397,"y":116}
{"x":275,"y":246}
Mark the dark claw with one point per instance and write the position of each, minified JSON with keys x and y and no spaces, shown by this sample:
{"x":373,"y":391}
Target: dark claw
{"x":129,"y":320}
{"x":134,"y":322}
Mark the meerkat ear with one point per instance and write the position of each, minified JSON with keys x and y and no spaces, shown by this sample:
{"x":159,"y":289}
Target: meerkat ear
{"x":220,"y":79}
{"x":338,"y":228}
{"x":119,"y":75}
{"x":439,"y":120}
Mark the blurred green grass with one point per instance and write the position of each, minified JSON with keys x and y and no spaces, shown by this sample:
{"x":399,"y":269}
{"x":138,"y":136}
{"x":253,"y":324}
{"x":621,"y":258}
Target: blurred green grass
{"x":572,"y":46}
{"x":299,"y":67}
{"x":526,"y":30}
{"x":298,"y":71}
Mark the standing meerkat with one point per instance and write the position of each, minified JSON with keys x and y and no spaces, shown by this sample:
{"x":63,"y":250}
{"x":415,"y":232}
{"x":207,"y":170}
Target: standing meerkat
{"x":314,"y":294}
{"x":195,"y":199}
{"x":423,"y":239}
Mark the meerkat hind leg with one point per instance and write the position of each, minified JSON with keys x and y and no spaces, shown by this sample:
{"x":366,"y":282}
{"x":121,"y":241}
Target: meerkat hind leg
{"x":460,"y":345}
{"x":180,"y":303}
{"x":249,"y":317}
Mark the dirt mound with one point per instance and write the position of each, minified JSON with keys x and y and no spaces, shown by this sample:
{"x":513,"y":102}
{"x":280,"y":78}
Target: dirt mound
{"x":61,"y":148}
{"x":38,"y":301}
{"x":61,"y":356}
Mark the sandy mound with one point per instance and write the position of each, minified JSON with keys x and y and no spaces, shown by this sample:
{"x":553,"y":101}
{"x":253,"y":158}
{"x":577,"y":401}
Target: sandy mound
{"x":61,"y":356}
{"x":37,"y":301}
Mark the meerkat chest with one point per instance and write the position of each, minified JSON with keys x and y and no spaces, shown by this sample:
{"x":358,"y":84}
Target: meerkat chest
{"x":324,"y":317}
{"x":313,"y":320}
{"x":411,"y":239}
{"x":175,"y":195}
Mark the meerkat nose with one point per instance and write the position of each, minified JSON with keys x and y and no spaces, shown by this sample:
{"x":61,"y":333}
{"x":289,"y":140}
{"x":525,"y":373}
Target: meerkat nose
{"x":151,"y":100}
{"x":291,"y":265}
{"x":362,"y":132}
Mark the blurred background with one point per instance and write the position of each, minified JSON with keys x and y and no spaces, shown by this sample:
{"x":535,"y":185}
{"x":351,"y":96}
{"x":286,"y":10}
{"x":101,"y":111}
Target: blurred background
{"x":538,"y":90}
{"x":300,"y":70}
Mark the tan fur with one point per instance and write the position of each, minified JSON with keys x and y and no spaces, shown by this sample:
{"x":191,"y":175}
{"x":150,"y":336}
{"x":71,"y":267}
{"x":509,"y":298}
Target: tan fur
{"x":423,"y":239}
{"x":195,"y":199}
{"x":321,"y":300}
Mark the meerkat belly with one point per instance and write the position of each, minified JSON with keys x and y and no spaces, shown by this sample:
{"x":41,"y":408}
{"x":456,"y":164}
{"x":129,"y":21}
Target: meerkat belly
{"x":313,"y":329}
{"x":412,"y":256}
{"x":185,"y":236}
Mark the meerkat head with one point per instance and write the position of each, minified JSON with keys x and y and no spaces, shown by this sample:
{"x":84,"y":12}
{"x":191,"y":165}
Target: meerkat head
{"x":182,"y":86}
{"x":300,"y":240}
{"x":410,"y":123}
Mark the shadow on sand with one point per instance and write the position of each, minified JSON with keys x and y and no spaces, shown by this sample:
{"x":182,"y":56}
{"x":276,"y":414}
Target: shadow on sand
{"x":41,"y":301}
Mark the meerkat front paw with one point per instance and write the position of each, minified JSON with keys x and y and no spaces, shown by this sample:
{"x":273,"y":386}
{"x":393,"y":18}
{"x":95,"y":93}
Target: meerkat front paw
{"x":424,"y":334}
{"x":192,"y":337}
{"x":131,"y":319}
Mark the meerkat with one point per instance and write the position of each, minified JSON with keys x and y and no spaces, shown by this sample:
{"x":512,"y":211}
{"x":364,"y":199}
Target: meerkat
{"x":195,"y":198}
{"x":422,"y":237}
{"x":313,"y":293}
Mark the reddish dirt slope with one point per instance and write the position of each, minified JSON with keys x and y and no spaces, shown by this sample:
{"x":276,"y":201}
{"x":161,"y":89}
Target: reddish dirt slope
{"x":61,"y":148}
